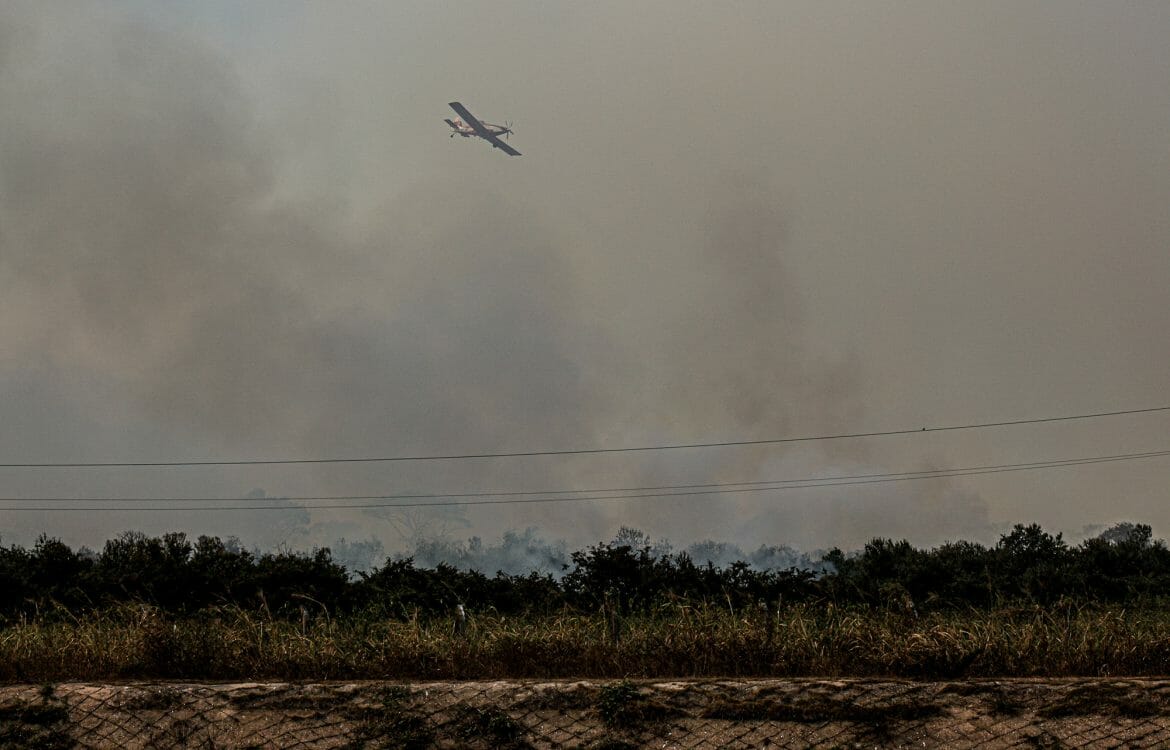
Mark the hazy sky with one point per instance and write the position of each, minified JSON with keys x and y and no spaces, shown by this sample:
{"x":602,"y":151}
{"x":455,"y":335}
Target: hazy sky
{"x":240,"y":231}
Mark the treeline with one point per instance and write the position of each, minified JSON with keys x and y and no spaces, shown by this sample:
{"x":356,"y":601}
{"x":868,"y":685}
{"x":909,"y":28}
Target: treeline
{"x":1027,"y":566}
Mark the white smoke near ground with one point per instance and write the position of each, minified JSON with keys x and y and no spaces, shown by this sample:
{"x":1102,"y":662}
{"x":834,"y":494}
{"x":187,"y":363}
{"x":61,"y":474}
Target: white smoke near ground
{"x":528,"y":551}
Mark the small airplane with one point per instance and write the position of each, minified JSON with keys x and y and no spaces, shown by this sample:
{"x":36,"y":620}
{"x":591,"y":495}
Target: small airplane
{"x":467,"y":125}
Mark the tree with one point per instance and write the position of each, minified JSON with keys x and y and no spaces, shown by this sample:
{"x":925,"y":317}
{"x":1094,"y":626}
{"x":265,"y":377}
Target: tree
{"x":1034,"y":565}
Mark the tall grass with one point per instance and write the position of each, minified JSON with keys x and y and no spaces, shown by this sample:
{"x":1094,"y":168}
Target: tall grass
{"x":671,"y":641}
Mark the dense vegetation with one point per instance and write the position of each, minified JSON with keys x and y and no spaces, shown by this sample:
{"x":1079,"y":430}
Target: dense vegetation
{"x":1028,"y":566}
{"x":168,"y":608}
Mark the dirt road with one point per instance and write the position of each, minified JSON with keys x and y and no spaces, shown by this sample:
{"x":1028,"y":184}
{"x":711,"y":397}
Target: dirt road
{"x":587,"y":714}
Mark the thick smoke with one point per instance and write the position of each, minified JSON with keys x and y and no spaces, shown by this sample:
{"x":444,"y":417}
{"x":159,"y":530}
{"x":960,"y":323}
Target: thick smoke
{"x":196,"y":262}
{"x":146,"y":245}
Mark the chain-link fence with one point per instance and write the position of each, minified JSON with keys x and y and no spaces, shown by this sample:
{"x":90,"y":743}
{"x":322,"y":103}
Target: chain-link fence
{"x":596,"y":715}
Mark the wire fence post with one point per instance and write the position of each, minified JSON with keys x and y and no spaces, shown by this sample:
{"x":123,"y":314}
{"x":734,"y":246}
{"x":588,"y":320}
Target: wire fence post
{"x":460,"y":621}
{"x":613,"y":620}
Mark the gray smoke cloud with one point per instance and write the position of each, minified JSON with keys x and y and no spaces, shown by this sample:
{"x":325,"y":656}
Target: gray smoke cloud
{"x":230,"y":233}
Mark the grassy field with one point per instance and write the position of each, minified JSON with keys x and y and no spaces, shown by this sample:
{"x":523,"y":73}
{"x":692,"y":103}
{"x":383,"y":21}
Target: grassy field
{"x":672,"y":641}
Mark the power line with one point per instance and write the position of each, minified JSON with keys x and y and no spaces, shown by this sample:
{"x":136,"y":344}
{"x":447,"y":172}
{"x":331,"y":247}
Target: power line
{"x":573,"y":452}
{"x":832,"y":478}
{"x":528,"y":497}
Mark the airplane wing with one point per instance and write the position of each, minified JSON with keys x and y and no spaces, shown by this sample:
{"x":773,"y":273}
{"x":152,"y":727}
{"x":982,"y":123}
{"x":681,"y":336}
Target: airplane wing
{"x":471,"y":120}
{"x":495,"y":139}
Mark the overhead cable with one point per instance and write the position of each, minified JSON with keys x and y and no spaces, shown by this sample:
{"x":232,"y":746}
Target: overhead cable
{"x":573,"y":452}
{"x":529,"y":497}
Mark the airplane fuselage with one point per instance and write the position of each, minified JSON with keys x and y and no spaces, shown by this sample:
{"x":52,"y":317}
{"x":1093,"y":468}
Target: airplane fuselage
{"x":465,"y":130}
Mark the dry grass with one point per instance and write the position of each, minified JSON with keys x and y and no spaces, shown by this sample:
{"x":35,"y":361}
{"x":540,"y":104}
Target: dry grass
{"x":675,"y":641}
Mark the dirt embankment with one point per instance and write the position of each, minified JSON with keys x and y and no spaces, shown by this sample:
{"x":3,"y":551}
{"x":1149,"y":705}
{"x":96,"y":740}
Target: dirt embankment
{"x":585,"y":714}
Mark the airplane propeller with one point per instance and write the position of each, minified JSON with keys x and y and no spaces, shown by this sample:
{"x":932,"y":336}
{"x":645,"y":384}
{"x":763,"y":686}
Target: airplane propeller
{"x":507,"y":129}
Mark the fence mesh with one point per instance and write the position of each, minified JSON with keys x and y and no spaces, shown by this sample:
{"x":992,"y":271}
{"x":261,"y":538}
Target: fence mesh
{"x":599,"y":715}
